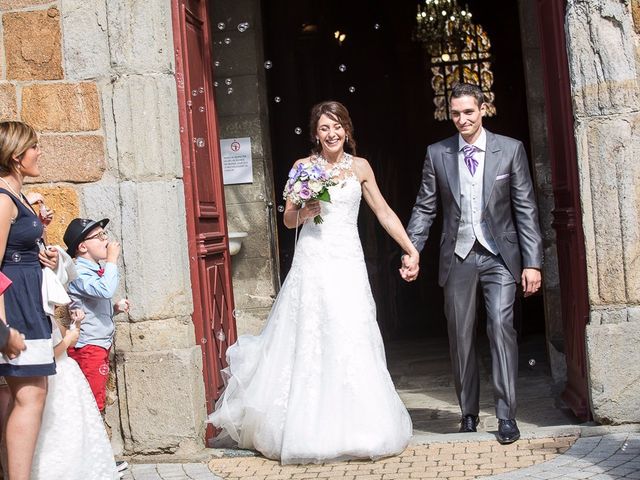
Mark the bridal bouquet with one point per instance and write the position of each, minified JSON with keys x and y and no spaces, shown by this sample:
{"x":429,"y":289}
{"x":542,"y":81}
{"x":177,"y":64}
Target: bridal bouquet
{"x":307,"y":182}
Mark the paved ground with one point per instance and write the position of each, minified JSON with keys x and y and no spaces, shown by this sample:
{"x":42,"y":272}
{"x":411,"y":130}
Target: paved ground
{"x":553,"y":444}
{"x":608,"y":457}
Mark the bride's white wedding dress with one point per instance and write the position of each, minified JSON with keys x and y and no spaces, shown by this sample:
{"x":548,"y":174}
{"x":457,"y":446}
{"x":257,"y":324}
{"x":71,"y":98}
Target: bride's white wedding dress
{"x":314,"y":386}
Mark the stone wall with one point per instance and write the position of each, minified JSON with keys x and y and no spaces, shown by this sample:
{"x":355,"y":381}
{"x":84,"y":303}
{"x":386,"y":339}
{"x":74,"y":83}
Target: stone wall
{"x":96,"y":79}
{"x":239,"y":66}
{"x":603,"y":50}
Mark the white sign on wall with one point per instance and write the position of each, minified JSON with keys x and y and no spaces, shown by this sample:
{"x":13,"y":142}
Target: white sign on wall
{"x":236,"y":160}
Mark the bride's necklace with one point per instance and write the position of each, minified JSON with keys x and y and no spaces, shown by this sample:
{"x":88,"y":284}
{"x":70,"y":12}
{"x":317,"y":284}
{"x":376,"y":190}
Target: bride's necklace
{"x":336,"y":168}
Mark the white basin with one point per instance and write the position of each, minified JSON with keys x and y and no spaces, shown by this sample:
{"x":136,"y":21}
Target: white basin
{"x":235,"y":241}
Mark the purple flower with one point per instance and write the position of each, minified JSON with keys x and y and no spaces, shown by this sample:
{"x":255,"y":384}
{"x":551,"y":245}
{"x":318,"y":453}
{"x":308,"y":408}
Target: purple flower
{"x":292,"y":173}
{"x":305,"y":192}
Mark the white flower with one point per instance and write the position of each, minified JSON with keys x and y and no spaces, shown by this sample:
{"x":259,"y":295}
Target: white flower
{"x":296,"y":187}
{"x":315,"y":186}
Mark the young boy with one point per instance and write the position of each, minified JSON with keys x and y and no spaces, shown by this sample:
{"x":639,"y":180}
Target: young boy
{"x":92,"y":291}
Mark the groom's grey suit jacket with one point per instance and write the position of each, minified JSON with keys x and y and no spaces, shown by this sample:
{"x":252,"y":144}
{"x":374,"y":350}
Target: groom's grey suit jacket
{"x":510,"y":209}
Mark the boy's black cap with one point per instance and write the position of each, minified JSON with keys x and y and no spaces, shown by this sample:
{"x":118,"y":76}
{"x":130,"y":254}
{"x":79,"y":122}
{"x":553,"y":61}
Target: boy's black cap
{"x":77,"y":230}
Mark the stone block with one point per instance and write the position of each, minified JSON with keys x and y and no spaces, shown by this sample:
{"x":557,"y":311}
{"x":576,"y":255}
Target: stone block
{"x":65,"y":203}
{"x":251,"y":321}
{"x":156,"y":335}
{"x":140,"y":36}
{"x":248,"y":192}
{"x":601,"y":57}
{"x":154,"y":243}
{"x":86,"y":42}
{"x":252,"y":283}
{"x":236,"y":58}
{"x":251,"y":218}
{"x":8,"y":108}
{"x":71,"y":158}
{"x":165,"y":400}
{"x":602,"y":210}
{"x":613,"y":358}
{"x":234,"y":13}
{"x":243,"y":101}
{"x":146,"y":126}
{"x":635,"y":13}
{"x":61,"y":107}
{"x":6,"y":5}
{"x":32,"y":45}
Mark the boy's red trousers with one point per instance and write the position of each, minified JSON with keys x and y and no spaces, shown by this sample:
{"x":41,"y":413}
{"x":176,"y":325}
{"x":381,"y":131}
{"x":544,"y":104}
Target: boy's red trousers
{"x":94,"y":363}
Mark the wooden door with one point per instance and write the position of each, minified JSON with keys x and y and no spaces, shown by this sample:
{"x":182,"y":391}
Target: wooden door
{"x":204,"y":194}
{"x":567,"y":215}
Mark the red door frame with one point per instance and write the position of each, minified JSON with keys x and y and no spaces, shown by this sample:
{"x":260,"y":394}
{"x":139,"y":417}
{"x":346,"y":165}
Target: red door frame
{"x":208,"y":247}
{"x":567,"y":214}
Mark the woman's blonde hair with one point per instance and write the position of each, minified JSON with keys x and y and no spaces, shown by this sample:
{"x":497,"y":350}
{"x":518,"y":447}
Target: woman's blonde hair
{"x":15,"y":139}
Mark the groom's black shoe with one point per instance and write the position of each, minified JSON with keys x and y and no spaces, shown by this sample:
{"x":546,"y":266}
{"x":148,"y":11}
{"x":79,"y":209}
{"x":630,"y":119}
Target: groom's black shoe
{"x":468,"y":423}
{"x":507,"y":431}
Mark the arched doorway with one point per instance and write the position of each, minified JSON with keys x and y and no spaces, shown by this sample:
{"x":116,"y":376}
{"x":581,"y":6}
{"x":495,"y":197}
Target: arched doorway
{"x":383,"y":78}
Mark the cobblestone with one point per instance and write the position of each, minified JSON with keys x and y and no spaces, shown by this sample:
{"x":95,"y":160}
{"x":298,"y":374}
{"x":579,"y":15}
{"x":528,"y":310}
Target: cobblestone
{"x":606,"y":457}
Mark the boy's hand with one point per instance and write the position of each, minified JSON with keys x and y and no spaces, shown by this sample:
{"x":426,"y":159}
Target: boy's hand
{"x":15,"y":344}
{"x":76,"y":314}
{"x":113,"y":252}
{"x":122,"y":306}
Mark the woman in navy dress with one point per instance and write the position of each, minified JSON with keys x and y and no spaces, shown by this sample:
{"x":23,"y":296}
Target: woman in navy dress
{"x":20,"y":236}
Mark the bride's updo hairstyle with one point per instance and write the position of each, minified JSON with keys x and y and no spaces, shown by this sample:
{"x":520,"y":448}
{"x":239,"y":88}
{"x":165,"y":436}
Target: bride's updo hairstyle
{"x":15,"y":139}
{"x":335,"y":111}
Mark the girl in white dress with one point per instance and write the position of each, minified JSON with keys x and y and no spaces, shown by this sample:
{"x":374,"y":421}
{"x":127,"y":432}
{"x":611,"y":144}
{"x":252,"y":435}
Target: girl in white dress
{"x":314,"y":385}
{"x":73,"y":443}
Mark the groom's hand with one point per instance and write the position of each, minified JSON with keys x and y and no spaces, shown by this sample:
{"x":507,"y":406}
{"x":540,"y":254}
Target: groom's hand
{"x":531,"y":280}
{"x":410,"y":267}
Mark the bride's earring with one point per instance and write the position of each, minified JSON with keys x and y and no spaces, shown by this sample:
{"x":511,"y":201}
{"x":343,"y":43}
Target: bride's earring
{"x":346,"y":139}
{"x":317,"y":141}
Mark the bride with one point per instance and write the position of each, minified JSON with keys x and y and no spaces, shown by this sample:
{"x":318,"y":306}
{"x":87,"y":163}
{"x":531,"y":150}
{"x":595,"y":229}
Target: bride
{"x":313,"y":386}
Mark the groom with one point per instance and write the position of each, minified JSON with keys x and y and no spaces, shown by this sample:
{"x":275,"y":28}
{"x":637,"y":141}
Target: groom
{"x":490,"y":239}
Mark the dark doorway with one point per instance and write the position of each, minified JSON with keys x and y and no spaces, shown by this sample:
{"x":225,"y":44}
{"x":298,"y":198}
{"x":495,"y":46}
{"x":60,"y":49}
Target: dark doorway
{"x":386,"y":85}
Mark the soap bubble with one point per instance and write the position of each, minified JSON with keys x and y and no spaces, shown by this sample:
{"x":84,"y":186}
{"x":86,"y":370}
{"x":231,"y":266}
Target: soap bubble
{"x":227,"y":41}
{"x":277,"y":99}
{"x":228,"y":81}
{"x":298,"y":130}
{"x":342,"y":68}
{"x":280,"y":208}
{"x":268,"y":64}
{"x":221,"y":26}
{"x":532,"y":362}
{"x":229,"y":90}
{"x":352,"y":89}
{"x":242,"y":27}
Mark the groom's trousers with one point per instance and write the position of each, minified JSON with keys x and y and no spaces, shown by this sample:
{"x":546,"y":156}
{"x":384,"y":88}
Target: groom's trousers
{"x":482,"y":268}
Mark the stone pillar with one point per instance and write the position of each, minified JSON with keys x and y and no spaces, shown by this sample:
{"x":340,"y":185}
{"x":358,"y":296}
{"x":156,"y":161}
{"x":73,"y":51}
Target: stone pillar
{"x":544,"y":188}
{"x":604,"y":79}
{"x":243,"y":113}
{"x":125,"y":49}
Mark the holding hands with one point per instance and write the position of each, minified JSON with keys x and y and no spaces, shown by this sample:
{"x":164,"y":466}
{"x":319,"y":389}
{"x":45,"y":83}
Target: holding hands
{"x":410,"y":266}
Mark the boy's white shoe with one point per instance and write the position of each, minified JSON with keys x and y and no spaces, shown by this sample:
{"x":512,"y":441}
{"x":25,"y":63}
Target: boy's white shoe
{"x":121,"y":466}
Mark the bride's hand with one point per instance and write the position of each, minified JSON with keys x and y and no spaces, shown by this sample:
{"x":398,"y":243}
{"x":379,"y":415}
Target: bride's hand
{"x":410,"y":267}
{"x":310,"y":210}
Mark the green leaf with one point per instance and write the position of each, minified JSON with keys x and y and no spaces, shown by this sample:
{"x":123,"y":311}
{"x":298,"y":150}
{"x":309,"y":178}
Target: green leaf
{"x":324,"y":196}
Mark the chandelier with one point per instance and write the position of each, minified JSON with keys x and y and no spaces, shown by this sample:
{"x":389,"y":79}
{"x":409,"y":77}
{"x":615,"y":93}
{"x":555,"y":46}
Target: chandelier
{"x":442,"y":26}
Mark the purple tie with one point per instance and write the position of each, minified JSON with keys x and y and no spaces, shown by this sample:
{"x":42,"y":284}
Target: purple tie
{"x":471,"y":162}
